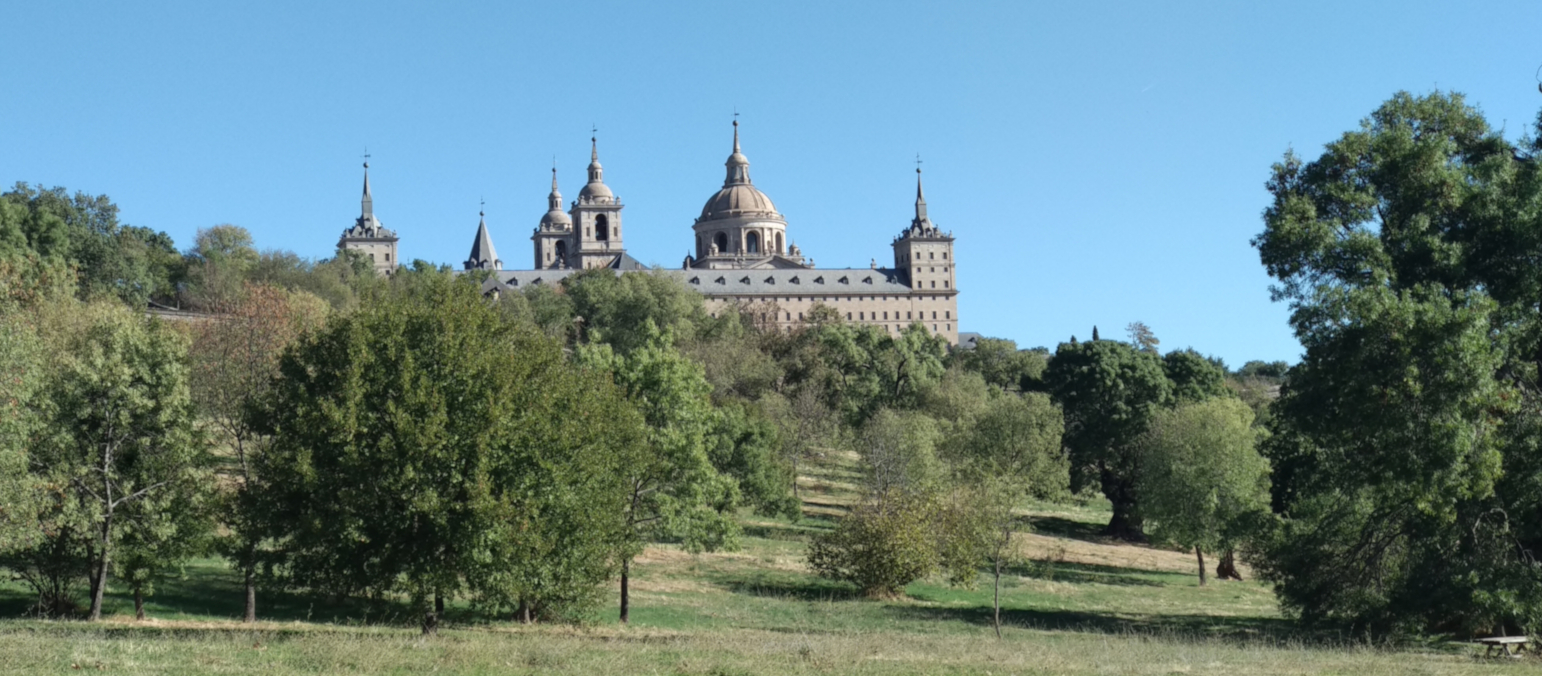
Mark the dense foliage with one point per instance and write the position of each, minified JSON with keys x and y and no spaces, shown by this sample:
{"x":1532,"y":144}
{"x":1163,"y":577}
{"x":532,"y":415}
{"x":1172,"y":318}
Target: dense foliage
{"x":1405,"y":444}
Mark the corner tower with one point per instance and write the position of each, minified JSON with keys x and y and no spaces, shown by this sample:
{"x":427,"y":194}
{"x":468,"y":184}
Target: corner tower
{"x":596,"y":217}
{"x":369,"y":237}
{"x":923,"y":253}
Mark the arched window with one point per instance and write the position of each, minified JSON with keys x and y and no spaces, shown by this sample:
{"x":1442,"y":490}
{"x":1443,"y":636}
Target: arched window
{"x":601,"y":228}
{"x":778,"y":243}
{"x":721,"y":240}
{"x":562,"y":249}
{"x":752,"y":243}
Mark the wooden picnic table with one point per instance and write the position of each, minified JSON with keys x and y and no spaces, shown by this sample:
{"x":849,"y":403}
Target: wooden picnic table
{"x":1508,"y":646}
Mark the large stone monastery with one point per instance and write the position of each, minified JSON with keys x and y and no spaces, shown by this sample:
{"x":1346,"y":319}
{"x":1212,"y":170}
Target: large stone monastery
{"x":742,"y":255}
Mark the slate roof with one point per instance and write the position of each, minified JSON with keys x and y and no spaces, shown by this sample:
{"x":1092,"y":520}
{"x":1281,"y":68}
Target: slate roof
{"x":838,"y":281}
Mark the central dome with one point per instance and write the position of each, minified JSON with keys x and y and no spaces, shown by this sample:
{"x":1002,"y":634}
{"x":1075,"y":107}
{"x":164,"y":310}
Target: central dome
{"x":740,"y":199}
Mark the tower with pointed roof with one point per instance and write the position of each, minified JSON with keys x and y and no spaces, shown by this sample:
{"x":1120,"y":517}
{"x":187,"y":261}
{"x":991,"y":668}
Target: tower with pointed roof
{"x":596,"y":220}
{"x":368,"y":237}
{"x":923,"y":253}
{"x":739,"y":227}
{"x":483,"y":255}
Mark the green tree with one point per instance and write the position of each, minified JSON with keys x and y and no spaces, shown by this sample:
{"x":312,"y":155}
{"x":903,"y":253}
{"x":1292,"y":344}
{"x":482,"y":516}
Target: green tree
{"x":673,"y":490}
{"x":616,"y":309}
{"x":1404,"y":442}
{"x":421,"y":444}
{"x":1001,"y":363}
{"x":121,"y":436}
{"x":1108,"y":392}
{"x":1194,"y":376}
{"x":880,"y":547}
{"x":1010,"y":452}
{"x":1202,"y":480}
{"x":218,"y":265}
{"x":133,"y":264}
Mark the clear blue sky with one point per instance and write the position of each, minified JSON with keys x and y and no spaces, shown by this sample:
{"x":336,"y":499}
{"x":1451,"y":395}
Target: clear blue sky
{"x":1099,"y":163}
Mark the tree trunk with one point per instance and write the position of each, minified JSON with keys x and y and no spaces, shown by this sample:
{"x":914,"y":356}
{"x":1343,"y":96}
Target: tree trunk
{"x":251,"y":595}
{"x":438,"y":603}
{"x":1126,"y":523}
{"x":1227,"y":568}
{"x":99,"y":585}
{"x":626,"y":600}
{"x":524,"y":612}
{"x":430,"y":621}
{"x":996,"y":597}
{"x":1201,"y":556}
{"x":139,"y":602}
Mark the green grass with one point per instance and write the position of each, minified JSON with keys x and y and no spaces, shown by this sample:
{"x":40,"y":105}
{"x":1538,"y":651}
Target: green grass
{"x":1079,"y":605}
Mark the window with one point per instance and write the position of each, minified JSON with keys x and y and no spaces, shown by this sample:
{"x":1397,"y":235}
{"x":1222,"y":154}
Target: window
{"x":789,"y":316}
{"x":388,"y":258}
{"x":947,"y":314}
{"x":934,"y":284}
{"x":944,"y":255}
{"x":721,"y":240}
{"x":602,"y":228}
{"x":907,"y":315}
{"x":861,"y":315}
{"x":944,"y":283}
{"x":752,"y":243}
{"x":848,"y":316}
{"x":948,"y":327}
{"x":778,"y":242}
{"x":931,"y":255}
{"x":800,"y":316}
{"x":934,"y":314}
{"x":562,"y":249}
{"x":372,"y":257}
{"x":885,"y":315}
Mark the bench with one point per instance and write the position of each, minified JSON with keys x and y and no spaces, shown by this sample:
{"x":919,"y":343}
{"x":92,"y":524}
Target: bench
{"x":1507,"y":646}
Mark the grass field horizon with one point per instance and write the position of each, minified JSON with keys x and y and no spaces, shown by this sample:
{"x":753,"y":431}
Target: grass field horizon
{"x":1078,"y":604}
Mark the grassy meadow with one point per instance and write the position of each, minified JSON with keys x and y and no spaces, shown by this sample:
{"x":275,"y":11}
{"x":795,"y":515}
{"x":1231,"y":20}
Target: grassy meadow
{"x":1077,"y":605}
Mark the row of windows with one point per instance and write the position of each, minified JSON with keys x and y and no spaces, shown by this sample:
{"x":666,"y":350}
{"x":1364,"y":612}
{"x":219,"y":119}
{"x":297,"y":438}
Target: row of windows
{"x":828,"y":299}
{"x":387,"y":258}
{"x":934,"y":283}
{"x":929,"y":255}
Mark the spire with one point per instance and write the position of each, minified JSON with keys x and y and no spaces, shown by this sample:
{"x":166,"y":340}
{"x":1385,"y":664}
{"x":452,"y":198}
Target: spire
{"x":554,"y":200}
{"x":738,"y":165}
{"x":483,"y":256}
{"x":920,"y":199}
{"x":367,"y":204}
{"x":596,"y":172}
{"x":920,"y":223}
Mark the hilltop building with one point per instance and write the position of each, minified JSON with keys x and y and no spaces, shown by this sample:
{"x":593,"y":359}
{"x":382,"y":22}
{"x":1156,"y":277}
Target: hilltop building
{"x":743,"y":255}
{"x":369,"y":237}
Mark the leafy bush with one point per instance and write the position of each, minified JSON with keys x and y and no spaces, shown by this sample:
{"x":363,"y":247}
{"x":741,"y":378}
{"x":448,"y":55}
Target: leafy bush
{"x":880,"y":547}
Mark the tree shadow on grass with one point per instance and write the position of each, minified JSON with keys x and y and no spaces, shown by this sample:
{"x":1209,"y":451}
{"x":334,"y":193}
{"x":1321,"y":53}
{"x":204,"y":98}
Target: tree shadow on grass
{"x":797,"y":590}
{"x":1081,"y":573}
{"x":1262,"y":629}
{"x":215,"y":593}
{"x":1070,"y":528}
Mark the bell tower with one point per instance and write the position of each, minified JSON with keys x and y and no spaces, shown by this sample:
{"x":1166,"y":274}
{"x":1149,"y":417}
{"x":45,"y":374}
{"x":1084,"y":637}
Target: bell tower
{"x":596,"y":216}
